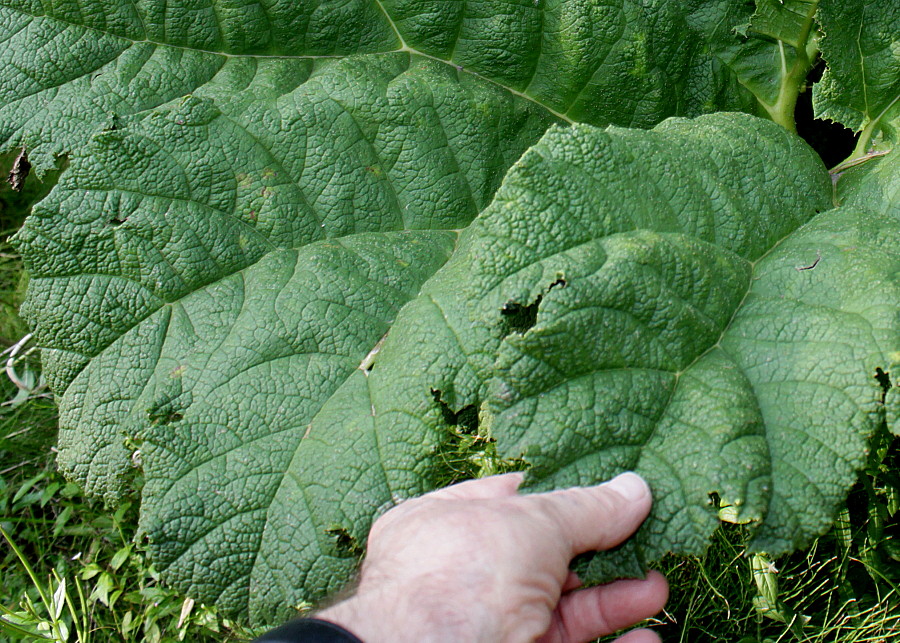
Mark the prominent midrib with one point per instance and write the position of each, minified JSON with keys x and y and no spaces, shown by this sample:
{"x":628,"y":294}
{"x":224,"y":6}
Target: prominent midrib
{"x":405,"y":48}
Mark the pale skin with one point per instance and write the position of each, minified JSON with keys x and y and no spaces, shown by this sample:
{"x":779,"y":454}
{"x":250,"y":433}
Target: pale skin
{"x":480,"y":562}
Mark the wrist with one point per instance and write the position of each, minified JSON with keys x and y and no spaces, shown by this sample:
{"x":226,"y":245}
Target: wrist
{"x":379,"y":615}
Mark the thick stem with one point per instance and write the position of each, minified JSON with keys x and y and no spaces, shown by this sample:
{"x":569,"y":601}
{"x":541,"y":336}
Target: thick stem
{"x":782,"y":112}
{"x":862,"y":143}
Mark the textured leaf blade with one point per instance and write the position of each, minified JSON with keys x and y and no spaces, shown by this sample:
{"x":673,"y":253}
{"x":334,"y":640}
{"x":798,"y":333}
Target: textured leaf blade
{"x":140,"y":221}
{"x":228,"y":406}
{"x":784,"y":20}
{"x":624,"y":63}
{"x":51,"y":107}
{"x":861,"y":85}
{"x":873,"y":185}
{"x":679,"y":310}
{"x":818,"y":387}
{"x":628,"y":64}
{"x":791,"y":375}
{"x":249,"y":28}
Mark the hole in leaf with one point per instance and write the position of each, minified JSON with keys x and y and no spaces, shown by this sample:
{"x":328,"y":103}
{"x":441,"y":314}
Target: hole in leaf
{"x":466,"y":419}
{"x":519,"y":318}
{"x":162,"y":416}
{"x":884,"y":378}
{"x":466,"y":449}
{"x":19,"y":171}
{"x":368,"y":362}
{"x":15,"y":205}
{"x":116,"y":221}
{"x":344,"y":542}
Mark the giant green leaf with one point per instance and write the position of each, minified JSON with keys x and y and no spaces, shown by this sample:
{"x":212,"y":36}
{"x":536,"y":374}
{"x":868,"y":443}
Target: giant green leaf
{"x":682,"y":322}
{"x":70,"y":68}
{"x":238,"y":287}
{"x":861,"y":85}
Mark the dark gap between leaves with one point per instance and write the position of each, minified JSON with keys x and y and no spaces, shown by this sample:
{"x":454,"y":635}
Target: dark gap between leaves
{"x":832,"y":141}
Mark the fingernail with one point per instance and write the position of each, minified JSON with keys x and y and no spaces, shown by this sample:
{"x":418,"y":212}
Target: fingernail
{"x":630,"y":485}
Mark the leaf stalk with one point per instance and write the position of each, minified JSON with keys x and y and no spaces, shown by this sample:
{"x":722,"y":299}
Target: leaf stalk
{"x":793,"y":79}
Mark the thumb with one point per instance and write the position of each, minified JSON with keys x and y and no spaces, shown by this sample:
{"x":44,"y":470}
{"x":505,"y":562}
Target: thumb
{"x":599,"y":517}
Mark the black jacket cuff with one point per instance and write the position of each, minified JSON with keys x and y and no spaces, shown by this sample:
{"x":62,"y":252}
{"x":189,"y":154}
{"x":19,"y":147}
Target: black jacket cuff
{"x":308,"y":630}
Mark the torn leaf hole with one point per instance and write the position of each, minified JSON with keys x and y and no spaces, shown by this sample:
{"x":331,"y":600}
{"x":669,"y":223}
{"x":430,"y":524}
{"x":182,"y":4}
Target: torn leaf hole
{"x":724,"y":511}
{"x":368,"y":362}
{"x":559,"y":283}
{"x":466,"y":418}
{"x":345,"y":543}
{"x":884,"y":378}
{"x":162,"y":416}
{"x":519,"y":318}
{"x":116,"y":221}
{"x":19,"y":172}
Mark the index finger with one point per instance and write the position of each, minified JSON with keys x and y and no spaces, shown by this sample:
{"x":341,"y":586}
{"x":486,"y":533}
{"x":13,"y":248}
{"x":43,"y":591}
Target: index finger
{"x":599,"y":517}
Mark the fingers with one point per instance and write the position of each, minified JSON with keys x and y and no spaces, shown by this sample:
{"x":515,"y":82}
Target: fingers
{"x":598,"y":517}
{"x":499,"y":486}
{"x":639,"y":636}
{"x":585,"y":614}
{"x":591,"y":518}
{"x":572,"y":582}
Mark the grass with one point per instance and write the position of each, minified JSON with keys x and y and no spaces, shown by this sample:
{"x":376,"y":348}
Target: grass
{"x":844,"y":588}
{"x":74,"y":570}
{"x":728,"y":596}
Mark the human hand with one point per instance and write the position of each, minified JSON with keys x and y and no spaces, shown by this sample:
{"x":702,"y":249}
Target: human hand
{"x":477,"y":562}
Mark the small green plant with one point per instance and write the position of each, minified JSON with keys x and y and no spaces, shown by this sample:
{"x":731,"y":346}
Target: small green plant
{"x":46,"y":620}
{"x":86,"y":578}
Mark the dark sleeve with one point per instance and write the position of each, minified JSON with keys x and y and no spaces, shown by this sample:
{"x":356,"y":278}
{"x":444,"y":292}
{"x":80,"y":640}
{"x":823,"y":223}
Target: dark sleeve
{"x":308,"y":630}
